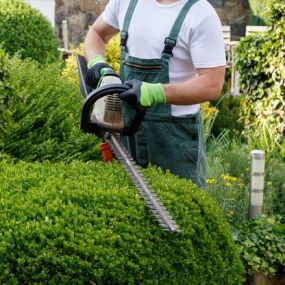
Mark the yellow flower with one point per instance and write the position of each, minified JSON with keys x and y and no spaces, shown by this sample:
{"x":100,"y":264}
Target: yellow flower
{"x":211,"y":181}
{"x":228,"y":178}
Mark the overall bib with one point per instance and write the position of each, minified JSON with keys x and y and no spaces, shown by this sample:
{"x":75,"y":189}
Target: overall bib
{"x":171,"y":143}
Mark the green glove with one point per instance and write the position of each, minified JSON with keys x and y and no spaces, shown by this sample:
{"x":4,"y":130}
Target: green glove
{"x":143,"y":94}
{"x":97,"y":67}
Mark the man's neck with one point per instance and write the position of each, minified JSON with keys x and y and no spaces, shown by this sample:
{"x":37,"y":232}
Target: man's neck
{"x":166,"y":1}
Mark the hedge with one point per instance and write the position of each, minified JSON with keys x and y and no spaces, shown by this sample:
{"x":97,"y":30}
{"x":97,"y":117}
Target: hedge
{"x":26,"y":31}
{"x":85,"y":223}
{"x":40,"y":113}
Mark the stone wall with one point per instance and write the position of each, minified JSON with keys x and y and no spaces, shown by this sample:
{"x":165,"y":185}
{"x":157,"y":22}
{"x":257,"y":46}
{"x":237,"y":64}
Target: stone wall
{"x":233,"y":13}
{"x":80,"y":14}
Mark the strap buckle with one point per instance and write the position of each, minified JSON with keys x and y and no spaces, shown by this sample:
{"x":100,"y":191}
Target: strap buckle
{"x":124,"y":37}
{"x":169,"y":44}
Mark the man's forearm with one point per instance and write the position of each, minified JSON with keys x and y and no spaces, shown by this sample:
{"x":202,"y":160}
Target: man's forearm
{"x":205,"y":87}
{"x":97,"y":38}
{"x":93,"y":44}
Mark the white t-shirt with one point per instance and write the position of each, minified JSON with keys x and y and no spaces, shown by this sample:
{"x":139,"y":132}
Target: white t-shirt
{"x":199,"y":44}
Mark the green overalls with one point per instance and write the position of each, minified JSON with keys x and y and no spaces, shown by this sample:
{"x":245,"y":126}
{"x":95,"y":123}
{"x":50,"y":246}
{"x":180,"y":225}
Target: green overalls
{"x":171,"y":143}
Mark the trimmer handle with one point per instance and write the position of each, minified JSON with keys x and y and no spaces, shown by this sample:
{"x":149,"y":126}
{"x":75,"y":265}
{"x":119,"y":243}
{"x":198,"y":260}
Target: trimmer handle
{"x":90,"y":98}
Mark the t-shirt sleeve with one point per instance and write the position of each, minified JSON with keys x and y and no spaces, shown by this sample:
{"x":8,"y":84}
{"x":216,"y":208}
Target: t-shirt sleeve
{"x":110,"y":13}
{"x":207,"y":45}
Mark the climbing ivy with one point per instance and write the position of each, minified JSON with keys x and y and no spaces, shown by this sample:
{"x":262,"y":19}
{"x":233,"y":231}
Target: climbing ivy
{"x":261,"y":65}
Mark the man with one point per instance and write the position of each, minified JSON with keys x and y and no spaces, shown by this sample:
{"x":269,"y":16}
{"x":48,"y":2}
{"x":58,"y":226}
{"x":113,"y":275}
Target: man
{"x":173,"y":58}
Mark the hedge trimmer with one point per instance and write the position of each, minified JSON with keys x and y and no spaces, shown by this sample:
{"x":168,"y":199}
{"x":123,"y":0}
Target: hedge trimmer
{"x":102,"y":116}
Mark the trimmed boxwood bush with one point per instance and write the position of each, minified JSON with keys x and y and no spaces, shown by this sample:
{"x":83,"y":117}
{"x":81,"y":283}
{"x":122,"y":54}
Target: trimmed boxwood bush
{"x":40,"y":113}
{"x":85,"y":223}
{"x":25,"y":30}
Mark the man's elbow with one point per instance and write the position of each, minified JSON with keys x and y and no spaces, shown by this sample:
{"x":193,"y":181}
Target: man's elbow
{"x":216,"y":90}
{"x":214,"y":80}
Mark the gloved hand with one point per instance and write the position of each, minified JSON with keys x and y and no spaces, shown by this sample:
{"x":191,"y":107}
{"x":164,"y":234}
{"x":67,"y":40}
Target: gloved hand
{"x":97,"y":67}
{"x":143,"y":94}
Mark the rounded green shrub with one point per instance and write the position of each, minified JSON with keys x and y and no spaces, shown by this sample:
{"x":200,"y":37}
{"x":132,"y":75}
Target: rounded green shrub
{"x":26,"y":31}
{"x":85,"y":223}
{"x":40,"y":113}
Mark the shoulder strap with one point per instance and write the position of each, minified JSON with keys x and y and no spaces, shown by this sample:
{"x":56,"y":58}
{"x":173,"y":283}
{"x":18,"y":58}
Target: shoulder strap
{"x":170,"y":41}
{"x":127,"y":20}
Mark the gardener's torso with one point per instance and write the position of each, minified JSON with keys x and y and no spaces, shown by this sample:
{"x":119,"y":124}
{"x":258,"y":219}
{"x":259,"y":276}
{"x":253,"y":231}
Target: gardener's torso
{"x":150,"y":23}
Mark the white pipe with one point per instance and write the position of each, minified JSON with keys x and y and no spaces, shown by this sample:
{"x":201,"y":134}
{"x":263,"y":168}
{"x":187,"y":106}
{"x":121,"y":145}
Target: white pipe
{"x":257,"y":183}
{"x":65,"y":35}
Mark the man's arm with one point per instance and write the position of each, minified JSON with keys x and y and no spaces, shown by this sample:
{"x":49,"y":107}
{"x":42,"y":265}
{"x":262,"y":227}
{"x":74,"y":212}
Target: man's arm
{"x":205,"y":87}
{"x":97,"y":38}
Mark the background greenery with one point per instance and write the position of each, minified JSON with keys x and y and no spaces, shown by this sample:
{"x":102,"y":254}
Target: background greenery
{"x":260,"y":63}
{"x":258,"y":11}
{"x":24,"y":30}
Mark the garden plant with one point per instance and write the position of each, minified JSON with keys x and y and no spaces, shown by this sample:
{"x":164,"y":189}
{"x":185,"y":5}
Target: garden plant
{"x":24,"y":30}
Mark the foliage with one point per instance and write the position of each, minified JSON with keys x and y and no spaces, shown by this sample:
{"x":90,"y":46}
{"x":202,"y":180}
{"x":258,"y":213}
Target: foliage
{"x":40,"y":113}
{"x":274,"y":192}
{"x":258,"y":7}
{"x":260,"y":62}
{"x":228,"y":116}
{"x":70,"y":72}
{"x":112,"y":55}
{"x":209,"y":115}
{"x":26,"y":31}
{"x":275,"y":12}
{"x":228,"y":177}
{"x":228,"y":180}
{"x":258,"y":12}
{"x":85,"y":223}
{"x":262,"y":244}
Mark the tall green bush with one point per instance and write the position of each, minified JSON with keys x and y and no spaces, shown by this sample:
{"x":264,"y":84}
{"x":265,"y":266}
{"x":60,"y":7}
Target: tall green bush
{"x":40,"y":113}
{"x":85,"y":223}
{"x":26,"y":31}
{"x":261,"y":64}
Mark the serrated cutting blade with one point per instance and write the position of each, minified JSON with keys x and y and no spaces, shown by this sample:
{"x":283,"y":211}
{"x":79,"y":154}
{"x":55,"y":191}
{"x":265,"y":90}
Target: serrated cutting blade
{"x":154,"y":204}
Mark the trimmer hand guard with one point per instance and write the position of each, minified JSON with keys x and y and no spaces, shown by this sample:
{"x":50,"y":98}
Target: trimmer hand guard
{"x":92,"y":96}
